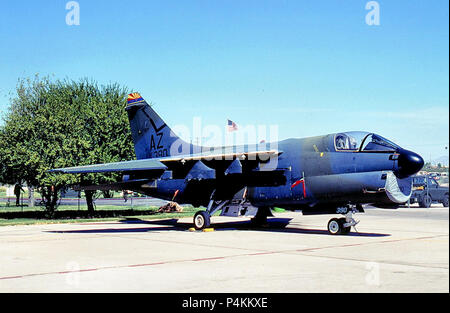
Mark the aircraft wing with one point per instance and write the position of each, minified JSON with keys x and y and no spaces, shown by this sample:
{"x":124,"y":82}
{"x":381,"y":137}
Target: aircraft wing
{"x":222,"y":154}
{"x":157,"y":163}
{"x":127,"y":166}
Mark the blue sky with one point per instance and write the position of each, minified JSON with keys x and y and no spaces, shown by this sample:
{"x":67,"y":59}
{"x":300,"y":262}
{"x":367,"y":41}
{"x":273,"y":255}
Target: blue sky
{"x":311,"y":67}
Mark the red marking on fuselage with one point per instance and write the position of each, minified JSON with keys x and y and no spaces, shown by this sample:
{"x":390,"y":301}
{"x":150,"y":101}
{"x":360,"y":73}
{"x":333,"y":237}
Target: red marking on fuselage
{"x":298,"y":182}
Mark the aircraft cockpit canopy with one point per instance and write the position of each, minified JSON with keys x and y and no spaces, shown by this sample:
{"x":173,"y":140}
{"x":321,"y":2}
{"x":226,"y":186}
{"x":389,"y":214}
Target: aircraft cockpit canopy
{"x":363,"y":141}
{"x":350,"y":141}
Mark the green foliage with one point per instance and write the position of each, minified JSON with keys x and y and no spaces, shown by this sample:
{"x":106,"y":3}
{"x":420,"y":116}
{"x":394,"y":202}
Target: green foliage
{"x":53,"y":124}
{"x":439,"y":168}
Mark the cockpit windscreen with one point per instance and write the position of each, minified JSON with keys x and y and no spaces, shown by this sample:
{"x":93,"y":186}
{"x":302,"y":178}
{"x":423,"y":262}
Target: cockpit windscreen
{"x":375,"y":142}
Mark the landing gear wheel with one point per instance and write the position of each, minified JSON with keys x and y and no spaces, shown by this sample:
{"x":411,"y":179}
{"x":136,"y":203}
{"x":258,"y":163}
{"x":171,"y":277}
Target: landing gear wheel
{"x":334,"y":226}
{"x":445,"y":202}
{"x":426,"y":201}
{"x":260,"y":220}
{"x":201,"y":220}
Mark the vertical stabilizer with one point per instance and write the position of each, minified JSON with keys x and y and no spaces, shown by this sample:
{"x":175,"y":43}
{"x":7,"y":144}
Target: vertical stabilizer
{"x":151,"y":136}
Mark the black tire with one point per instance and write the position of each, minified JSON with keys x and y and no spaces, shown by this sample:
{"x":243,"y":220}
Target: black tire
{"x":260,"y":218}
{"x":334,"y":227}
{"x":345,"y":230}
{"x":202,"y":220}
{"x":445,"y":201}
{"x":259,"y":221}
{"x":426,"y":201}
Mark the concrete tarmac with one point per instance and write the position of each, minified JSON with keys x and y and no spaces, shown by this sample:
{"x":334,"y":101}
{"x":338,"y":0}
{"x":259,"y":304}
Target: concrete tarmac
{"x":404,"y":250}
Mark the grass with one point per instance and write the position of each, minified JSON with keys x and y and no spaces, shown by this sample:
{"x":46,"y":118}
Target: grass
{"x":70,"y":214}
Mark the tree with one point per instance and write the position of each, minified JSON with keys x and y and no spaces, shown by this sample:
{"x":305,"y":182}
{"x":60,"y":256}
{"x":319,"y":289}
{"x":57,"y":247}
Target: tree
{"x":62,"y":123}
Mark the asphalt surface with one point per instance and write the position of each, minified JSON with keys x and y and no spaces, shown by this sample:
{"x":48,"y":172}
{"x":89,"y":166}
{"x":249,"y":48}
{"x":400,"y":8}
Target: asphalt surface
{"x":404,"y":250}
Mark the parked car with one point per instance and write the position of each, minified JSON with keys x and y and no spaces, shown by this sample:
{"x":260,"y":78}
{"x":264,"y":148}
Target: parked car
{"x":426,"y":190}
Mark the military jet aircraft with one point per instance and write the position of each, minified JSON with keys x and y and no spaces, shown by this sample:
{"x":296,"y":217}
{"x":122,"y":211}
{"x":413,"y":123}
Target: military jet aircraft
{"x":330,"y":174}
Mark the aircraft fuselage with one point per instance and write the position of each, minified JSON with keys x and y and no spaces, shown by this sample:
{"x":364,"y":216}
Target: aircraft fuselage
{"x":309,"y":173}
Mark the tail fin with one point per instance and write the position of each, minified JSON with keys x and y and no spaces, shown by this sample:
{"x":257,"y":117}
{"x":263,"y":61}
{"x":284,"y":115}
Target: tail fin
{"x":151,"y":136}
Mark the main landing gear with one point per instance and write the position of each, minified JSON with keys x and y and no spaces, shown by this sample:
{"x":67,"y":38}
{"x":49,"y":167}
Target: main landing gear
{"x":260,"y":219}
{"x":202,"y":219}
{"x":238,"y":206}
{"x":342,"y":226}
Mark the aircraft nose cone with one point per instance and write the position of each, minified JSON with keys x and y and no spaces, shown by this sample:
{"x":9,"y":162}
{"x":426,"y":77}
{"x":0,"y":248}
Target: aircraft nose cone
{"x":409,"y":163}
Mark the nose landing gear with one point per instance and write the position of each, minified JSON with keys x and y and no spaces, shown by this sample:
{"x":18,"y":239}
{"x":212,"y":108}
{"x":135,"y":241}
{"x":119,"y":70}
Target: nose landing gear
{"x":342,"y":226}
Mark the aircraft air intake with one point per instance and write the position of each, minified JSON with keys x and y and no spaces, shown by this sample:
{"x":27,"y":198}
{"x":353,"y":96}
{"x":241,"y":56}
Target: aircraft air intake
{"x":398,"y":190}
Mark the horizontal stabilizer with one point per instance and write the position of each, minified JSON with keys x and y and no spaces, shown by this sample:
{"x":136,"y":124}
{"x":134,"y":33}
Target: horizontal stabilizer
{"x":125,"y":185}
{"x":127,"y":166}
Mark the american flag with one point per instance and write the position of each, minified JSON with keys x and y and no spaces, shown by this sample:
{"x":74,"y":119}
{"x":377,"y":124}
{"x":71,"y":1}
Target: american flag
{"x":232,"y":126}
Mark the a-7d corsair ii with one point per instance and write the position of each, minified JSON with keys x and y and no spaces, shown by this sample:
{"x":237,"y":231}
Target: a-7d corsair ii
{"x":331,"y":174}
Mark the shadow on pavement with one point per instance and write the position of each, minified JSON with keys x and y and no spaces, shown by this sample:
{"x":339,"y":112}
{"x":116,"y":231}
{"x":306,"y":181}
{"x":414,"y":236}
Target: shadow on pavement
{"x":273,"y":225}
